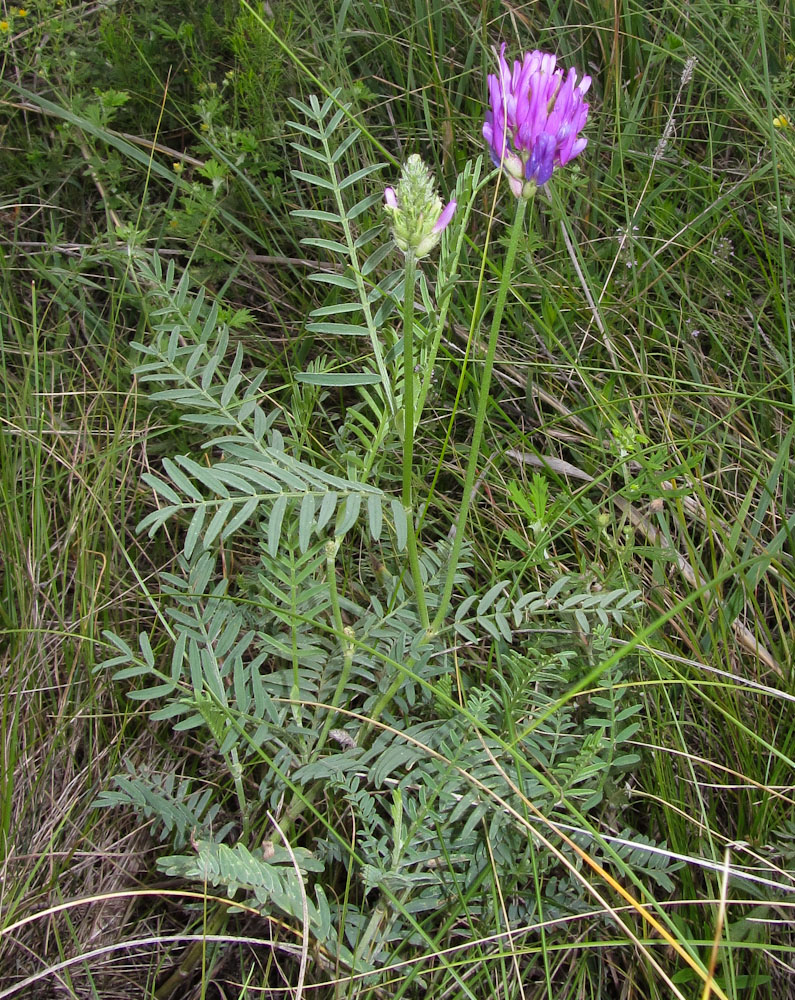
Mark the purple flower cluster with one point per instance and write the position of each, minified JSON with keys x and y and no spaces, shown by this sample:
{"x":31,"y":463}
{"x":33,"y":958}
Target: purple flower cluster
{"x":535,"y":119}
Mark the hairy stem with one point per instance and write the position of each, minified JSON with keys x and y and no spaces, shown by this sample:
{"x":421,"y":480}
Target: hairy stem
{"x":480,"y":417}
{"x":408,"y":433}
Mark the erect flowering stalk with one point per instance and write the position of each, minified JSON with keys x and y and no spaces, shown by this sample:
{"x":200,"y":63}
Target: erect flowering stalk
{"x":480,"y":417}
{"x":416,"y":209}
{"x":535,"y":119}
{"x":417,"y":223}
{"x":532,"y":127}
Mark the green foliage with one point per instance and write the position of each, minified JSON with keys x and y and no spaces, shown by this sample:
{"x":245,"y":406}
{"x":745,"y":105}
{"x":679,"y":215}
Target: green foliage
{"x":259,"y":68}
{"x":271,"y":877}
{"x":256,"y":672}
{"x":179,"y":812}
{"x":186,"y":355}
{"x":334,"y":319}
{"x":611,"y":686}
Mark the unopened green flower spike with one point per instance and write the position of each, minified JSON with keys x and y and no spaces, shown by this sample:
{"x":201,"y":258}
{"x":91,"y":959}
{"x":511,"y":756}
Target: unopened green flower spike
{"x":416,"y":209}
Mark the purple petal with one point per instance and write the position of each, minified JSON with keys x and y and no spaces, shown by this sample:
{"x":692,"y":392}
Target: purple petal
{"x":578,"y":147}
{"x":390,"y":198}
{"x":542,"y":160}
{"x":444,"y":219}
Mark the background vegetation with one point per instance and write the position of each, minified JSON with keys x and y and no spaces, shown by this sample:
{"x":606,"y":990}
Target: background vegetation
{"x":585,"y":788}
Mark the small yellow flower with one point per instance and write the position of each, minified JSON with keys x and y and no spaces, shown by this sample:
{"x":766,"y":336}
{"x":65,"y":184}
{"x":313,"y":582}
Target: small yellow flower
{"x":781,"y":121}
{"x":178,"y":167}
{"x":205,"y":127}
{"x":22,"y":12}
{"x":4,"y":26}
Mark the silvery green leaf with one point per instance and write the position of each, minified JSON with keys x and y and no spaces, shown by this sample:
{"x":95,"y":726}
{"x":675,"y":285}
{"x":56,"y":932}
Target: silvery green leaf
{"x":181,"y":481}
{"x":327,"y":507}
{"x":376,"y":257}
{"x":339,"y":329}
{"x":401,"y":524}
{"x":306,"y":521}
{"x":358,"y":175}
{"x":347,"y":514}
{"x":375,"y":517}
{"x":217,"y":523}
{"x":340,"y":280}
{"x":313,"y":154}
{"x":490,"y":596}
{"x":345,"y":145}
{"x":314,"y":179}
{"x":275,"y":524}
{"x":336,"y":308}
{"x":194,"y":530}
{"x":338,"y":379}
{"x":243,"y":515}
{"x":334,"y":246}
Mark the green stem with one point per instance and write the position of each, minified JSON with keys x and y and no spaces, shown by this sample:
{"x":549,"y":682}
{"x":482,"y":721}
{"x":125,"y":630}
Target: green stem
{"x":480,"y":417}
{"x":374,"y":716}
{"x":408,"y":462}
{"x":445,"y":283}
{"x":236,"y":771}
{"x":342,"y":683}
{"x":408,"y":433}
{"x":332,"y":547}
{"x":345,"y":636}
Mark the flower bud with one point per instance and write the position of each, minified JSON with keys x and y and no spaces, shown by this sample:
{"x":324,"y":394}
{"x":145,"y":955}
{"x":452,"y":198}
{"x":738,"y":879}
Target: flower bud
{"x":416,"y":209}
